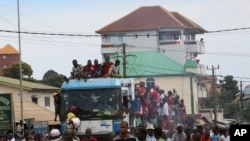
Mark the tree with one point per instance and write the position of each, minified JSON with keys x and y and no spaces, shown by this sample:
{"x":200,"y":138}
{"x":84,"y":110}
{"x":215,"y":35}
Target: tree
{"x":52,"y":78}
{"x":14,"y":71}
{"x":229,"y":89}
{"x":227,"y":97}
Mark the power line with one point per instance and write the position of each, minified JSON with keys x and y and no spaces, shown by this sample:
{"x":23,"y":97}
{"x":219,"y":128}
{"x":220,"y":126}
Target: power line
{"x":225,"y":30}
{"x":91,"y":35}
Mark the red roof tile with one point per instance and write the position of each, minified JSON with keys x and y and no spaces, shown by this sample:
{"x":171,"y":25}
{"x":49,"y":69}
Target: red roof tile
{"x":8,"y":49}
{"x":150,"y":18}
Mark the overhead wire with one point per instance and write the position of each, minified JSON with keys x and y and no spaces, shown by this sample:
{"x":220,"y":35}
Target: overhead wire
{"x":89,"y":53}
{"x":94,"y":35}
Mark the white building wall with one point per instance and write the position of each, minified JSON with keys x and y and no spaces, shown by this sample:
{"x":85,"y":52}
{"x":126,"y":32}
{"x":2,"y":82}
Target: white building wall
{"x":142,"y":43}
{"x":176,"y":52}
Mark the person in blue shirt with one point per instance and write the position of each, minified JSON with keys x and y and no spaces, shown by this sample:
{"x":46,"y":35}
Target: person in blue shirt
{"x":134,"y":108}
{"x":215,"y":135}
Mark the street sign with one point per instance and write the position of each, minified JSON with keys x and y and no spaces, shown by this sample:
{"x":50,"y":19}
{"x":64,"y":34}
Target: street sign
{"x":6,"y":112}
{"x":41,"y":127}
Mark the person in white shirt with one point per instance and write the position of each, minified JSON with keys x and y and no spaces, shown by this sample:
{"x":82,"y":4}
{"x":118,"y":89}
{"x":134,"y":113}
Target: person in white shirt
{"x":115,"y":69}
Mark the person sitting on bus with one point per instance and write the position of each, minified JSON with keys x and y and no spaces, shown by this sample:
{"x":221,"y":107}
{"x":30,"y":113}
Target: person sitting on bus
{"x":76,"y":71}
{"x":114,"y":70}
{"x":106,"y":66}
{"x":70,"y":115}
{"x":88,"y":70}
{"x":97,"y":69}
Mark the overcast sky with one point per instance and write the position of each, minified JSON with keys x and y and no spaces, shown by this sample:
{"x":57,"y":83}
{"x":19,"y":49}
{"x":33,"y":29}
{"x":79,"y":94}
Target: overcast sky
{"x":229,"y":50}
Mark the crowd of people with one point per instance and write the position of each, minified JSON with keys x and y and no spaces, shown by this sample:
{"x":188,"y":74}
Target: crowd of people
{"x":149,"y":133}
{"x":180,"y":133}
{"x":94,"y":70}
{"x":152,"y":105}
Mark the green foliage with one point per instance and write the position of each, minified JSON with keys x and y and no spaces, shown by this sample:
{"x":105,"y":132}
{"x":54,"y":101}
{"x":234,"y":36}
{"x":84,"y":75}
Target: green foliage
{"x":227,"y":97}
{"x":230,"y":84}
{"x":245,"y":112}
{"x":231,"y":110}
{"x":14,"y":71}
{"x":52,"y":78}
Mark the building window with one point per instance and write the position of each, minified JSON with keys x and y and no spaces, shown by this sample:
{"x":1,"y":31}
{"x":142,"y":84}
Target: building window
{"x":123,"y":39}
{"x":5,"y":66}
{"x":105,"y":39}
{"x":4,"y":56}
{"x":47,"y":101}
{"x":113,"y":39}
{"x":34,"y":99}
{"x":150,"y":83}
{"x":169,"y":35}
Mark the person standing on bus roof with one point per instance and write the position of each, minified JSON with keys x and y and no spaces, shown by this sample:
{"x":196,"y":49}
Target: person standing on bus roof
{"x":70,"y":115}
{"x":106,"y":66}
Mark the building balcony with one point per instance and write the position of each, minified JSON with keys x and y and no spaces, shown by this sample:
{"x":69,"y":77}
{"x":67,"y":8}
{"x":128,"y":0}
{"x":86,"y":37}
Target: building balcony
{"x":195,"y":47}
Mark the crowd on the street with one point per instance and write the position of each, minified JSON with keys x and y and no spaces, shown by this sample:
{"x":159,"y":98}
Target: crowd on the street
{"x":141,"y":133}
{"x":180,"y":133}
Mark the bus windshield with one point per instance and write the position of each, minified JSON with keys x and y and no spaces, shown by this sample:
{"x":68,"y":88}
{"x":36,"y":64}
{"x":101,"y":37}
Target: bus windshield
{"x":93,"y":103}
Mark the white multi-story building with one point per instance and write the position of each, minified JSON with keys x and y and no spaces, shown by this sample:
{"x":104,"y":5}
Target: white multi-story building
{"x":158,"y":46}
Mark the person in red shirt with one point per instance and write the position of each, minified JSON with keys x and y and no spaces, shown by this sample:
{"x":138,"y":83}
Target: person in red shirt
{"x":88,"y":69}
{"x":97,"y":69}
{"x":106,"y":66}
{"x":89,"y":136}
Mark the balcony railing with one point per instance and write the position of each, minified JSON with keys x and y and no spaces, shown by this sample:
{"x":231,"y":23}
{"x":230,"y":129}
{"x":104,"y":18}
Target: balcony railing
{"x":195,"y":47}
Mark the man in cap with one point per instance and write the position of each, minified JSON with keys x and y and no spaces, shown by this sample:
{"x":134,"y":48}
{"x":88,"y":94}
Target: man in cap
{"x":55,"y":135}
{"x":150,"y":132}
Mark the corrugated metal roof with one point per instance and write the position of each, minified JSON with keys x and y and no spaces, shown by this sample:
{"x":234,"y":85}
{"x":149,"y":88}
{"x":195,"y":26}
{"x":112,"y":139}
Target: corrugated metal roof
{"x":150,"y":63}
{"x":150,"y":18}
{"x":26,"y":85}
{"x":8,"y":49}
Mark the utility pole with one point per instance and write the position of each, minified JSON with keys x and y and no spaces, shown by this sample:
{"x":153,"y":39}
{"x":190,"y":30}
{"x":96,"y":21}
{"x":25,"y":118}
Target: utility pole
{"x":124,"y":59}
{"x":20,"y":67}
{"x":214,"y":93}
{"x":241,"y":97}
